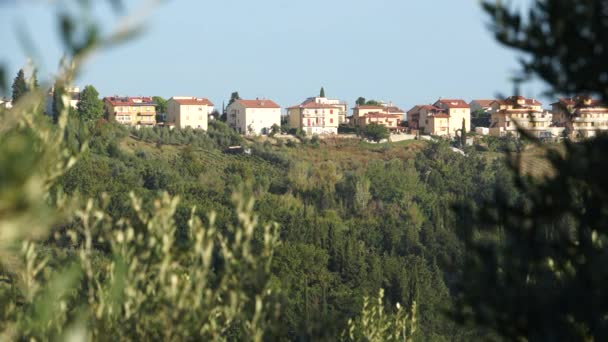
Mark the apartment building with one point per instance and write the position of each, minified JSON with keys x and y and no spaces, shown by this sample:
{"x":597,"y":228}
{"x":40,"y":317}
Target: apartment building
{"x":253,"y":116}
{"x":317,"y":115}
{"x":188,"y":111}
{"x":387,"y":115}
{"x":131,"y":111}
{"x":518,"y":111}
{"x":581,"y":116}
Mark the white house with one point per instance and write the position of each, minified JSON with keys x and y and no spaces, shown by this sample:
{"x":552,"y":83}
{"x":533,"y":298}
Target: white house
{"x":188,"y":111}
{"x":253,"y":116}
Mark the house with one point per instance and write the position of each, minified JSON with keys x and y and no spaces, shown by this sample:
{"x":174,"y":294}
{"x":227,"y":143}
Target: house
{"x":388,"y":115}
{"x":188,"y":111}
{"x":484,"y":106}
{"x":581,"y":116}
{"x":433,"y":120}
{"x":457,"y":111}
{"x":73,"y":94}
{"x":5,"y":103}
{"x":253,"y":116}
{"x":413,"y":118}
{"x":131,"y":111}
{"x":518,"y":111}
{"x":317,"y":115}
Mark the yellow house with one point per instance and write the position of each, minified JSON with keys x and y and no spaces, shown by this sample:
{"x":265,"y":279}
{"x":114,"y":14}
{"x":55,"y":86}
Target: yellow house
{"x":457,"y":110}
{"x":131,"y":111}
{"x":389,"y":116}
{"x":433,"y":120}
{"x":316,"y":116}
{"x":582,"y":116}
{"x":185,"y":111}
{"x":518,"y":111}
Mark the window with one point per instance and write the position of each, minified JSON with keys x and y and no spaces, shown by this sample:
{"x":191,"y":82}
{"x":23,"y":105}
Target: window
{"x":331,"y":111}
{"x":331,"y":120}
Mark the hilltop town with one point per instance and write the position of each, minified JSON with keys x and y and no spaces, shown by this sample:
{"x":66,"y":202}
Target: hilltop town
{"x":577,"y":117}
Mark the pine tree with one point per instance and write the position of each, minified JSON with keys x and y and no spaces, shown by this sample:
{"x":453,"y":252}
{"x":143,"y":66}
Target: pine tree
{"x":57,"y":102}
{"x":19,"y":86}
{"x":90,"y":107}
{"x":322,"y":92}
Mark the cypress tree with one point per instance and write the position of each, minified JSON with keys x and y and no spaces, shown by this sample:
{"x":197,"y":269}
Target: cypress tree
{"x":322,"y":92}
{"x":463,"y":133}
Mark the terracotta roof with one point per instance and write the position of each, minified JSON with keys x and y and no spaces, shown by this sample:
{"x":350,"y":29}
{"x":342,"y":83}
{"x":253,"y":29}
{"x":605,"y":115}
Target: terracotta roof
{"x":380,"y":115}
{"x":314,"y":105}
{"x":484,"y":103}
{"x":258,"y":104}
{"x":578,"y":101}
{"x":414,"y":109}
{"x":453,"y":103}
{"x":431,"y":107}
{"x":129,"y":101}
{"x":368,"y":107}
{"x":513,"y":100}
{"x":193,"y":101}
{"x":394,"y":109}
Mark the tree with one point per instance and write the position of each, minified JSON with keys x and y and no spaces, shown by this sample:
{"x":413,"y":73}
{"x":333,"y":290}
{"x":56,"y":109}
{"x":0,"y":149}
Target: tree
{"x":34,"y":80}
{"x":322,"y":92}
{"x":233,"y":97}
{"x":376,"y":132}
{"x":360,"y":101}
{"x":463,"y":134}
{"x":19,"y":86}
{"x":90,"y":107}
{"x":535,"y":267}
{"x":57,"y":107}
{"x":161,"y":104}
{"x":565,"y":42}
{"x":373,"y":103}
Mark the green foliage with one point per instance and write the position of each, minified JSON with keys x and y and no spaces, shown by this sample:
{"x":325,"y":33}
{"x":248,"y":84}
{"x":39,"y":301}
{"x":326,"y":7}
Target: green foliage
{"x":564,"y":42}
{"x":463,"y":134}
{"x":233,"y":97}
{"x":90,"y":107}
{"x":376,"y":325}
{"x":19,"y":86}
{"x":161,"y":104}
{"x":322,"y":92}
{"x":360,"y":101}
{"x":376,"y":132}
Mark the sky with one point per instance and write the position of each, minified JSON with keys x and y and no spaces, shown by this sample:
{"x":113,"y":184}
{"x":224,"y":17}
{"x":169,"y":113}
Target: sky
{"x":401,"y":51}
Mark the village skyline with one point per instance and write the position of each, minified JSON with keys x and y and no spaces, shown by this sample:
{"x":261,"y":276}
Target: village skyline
{"x":201,"y":56}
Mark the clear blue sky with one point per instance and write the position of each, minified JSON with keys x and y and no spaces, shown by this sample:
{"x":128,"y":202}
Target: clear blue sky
{"x":408,"y":52}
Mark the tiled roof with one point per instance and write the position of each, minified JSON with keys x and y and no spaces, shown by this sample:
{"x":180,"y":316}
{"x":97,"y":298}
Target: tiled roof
{"x":380,"y":115}
{"x":129,"y":101}
{"x":512,"y":100}
{"x":368,"y":107}
{"x":414,"y":109}
{"x":394,"y":109}
{"x":483,"y":103}
{"x":258,"y":104}
{"x":314,"y":105}
{"x":453,"y":103}
{"x":579,"y":101}
{"x":193,"y":101}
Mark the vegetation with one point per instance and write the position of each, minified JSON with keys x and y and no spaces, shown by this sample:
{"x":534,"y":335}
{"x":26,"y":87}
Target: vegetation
{"x":90,"y":107}
{"x":19,"y":86}
{"x":154,"y":234}
{"x":376,"y":132}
